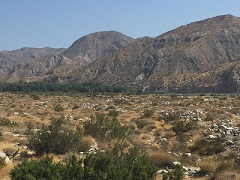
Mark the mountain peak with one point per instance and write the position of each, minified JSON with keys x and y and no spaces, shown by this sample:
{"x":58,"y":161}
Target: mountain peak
{"x":95,"y":45}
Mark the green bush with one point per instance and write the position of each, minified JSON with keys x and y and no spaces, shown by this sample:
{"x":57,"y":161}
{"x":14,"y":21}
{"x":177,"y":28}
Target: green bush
{"x":35,"y":96}
{"x":6,"y":122}
{"x":176,"y":174}
{"x":54,"y":139}
{"x":104,"y":128}
{"x":46,"y":169}
{"x":208,"y":117}
{"x":141,"y":123}
{"x":113,"y":113}
{"x":147,"y":113}
{"x":58,"y":108}
{"x":2,"y":162}
{"x":170,"y":116}
{"x":208,"y":147}
{"x":182,"y":126}
{"x":119,"y":163}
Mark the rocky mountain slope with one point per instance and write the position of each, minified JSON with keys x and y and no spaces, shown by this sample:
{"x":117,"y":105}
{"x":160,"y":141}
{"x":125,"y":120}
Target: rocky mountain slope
{"x":172,"y":60}
{"x":31,"y":64}
{"x":201,"y":56}
{"x":96,"y":45}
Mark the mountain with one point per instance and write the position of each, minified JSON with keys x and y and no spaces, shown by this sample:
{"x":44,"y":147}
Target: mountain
{"x":11,"y":61}
{"x":32,"y":64}
{"x":25,"y":53}
{"x":96,"y":45}
{"x":202,"y":56}
{"x":167,"y":62}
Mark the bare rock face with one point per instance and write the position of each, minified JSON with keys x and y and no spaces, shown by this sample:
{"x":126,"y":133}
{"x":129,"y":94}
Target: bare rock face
{"x":202,"y":56}
{"x":37,"y":64}
{"x":170,"y":61}
{"x":96,"y":45}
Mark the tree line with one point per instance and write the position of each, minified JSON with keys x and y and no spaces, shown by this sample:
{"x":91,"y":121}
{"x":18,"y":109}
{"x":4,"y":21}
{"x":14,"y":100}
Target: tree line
{"x":88,"y":87}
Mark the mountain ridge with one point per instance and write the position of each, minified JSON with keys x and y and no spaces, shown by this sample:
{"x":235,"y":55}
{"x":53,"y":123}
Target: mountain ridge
{"x":175,"y":61}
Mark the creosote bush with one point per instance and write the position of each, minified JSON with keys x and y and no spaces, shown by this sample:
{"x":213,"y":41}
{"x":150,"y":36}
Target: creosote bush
{"x":2,"y":162}
{"x":162,"y":159}
{"x":182,"y":126}
{"x":54,"y":138}
{"x":176,"y":174}
{"x":122,"y":162}
{"x":104,"y":128}
{"x":6,"y":122}
{"x":147,"y":113}
{"x":170,"y":116}
{"x":141,"y":123}
{"x":207,"y":147}
{"x":45,"y":168}
{"x":119,"y":163}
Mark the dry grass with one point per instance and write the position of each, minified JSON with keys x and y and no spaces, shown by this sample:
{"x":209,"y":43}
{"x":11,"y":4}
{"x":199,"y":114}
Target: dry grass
{"x":146,"y":127}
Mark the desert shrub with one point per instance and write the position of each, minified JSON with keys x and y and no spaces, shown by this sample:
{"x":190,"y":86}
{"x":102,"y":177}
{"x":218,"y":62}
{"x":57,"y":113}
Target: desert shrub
{"x":2,"y":162}
{"x":182,"y":126}
{"x":119,"y":164}
{"x":121,"y":101}
{"x":54,"y":138}
{"x":208,"y":117}
{"x":176,"y":174}
{"x":6,"y":122}
{"x":104,"y":128}
{"x":207,"y":166}
{"x":45,"y":168}
{"x":86,"y":143}
{"x":162,"y":159}
{"x":208,"y":147}
{"x":29,"y":125}
{"x":150,"y":127}
{"x":147,"y":113}
{"x":215,"y":167}
{"x":179,"y":147}
{"x":58,"y":108}
{"x":170,"y":116}
{"x":189,"y":160}
{"x":35,"y":96}
{"x":141,"y":123}
{"x":113,"y":113}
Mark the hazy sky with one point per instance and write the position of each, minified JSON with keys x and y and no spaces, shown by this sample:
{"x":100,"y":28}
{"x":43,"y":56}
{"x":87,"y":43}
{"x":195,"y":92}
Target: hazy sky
{"x":58,"y":23}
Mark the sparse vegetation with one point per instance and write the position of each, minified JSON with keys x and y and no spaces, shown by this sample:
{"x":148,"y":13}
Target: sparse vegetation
{"x":104,"y":128}
{"x":182,"y":126}
{"x":168,"y":117}
{"x":6,"y":122}
{"x":114,"y":164}
{"x":141,"y":123}
{"x":147,"y":113}
{"x":2,"y":162}
{"x":46,"y":168}
{"x":207,"y":147}
{"x":175,"y":136}
{"x":54,"y":138}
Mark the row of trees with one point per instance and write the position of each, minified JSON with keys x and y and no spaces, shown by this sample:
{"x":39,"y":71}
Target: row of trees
{"x":90,"y":87}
